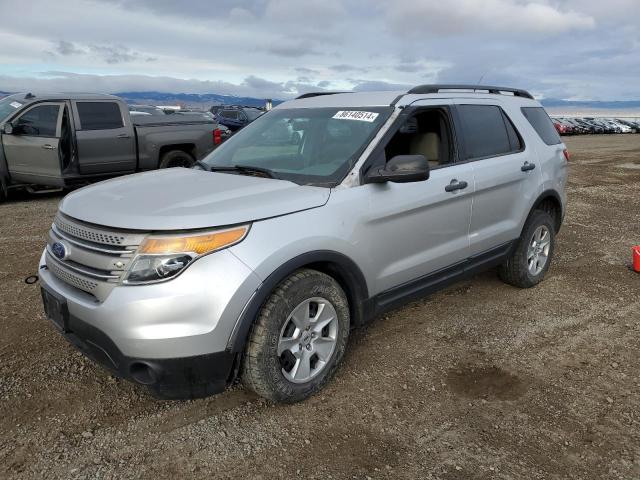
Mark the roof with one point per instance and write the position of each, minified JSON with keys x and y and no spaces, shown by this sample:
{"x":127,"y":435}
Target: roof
{"x":41,"y":96}
{"x":402,"y":98}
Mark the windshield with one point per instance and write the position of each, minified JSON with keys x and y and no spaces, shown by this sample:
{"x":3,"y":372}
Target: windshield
{"x":8,"y":105}
{"x":309,"y":146}
{"x":253,"y":113}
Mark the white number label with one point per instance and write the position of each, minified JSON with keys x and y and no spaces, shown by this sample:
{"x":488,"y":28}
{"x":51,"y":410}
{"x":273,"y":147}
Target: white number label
{"x":356,"y":115}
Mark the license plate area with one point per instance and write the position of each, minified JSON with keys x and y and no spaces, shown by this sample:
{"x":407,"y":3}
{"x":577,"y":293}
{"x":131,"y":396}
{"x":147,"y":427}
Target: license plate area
{"x":55,"y":308}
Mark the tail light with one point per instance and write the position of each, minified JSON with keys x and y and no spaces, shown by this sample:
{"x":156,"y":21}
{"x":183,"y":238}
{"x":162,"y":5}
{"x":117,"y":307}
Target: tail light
{"x":217,"y":136}
{"x":566,"y":154}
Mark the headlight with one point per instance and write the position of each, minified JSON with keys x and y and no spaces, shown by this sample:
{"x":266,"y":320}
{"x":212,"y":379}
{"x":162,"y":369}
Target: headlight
{"x":163,"y":257}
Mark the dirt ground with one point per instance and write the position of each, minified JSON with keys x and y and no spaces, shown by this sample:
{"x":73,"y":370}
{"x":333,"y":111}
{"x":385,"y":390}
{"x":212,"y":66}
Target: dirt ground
{"x":479,"y":381}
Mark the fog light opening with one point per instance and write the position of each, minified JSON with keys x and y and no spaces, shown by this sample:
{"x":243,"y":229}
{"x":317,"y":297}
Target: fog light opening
{"x":143,"y":373}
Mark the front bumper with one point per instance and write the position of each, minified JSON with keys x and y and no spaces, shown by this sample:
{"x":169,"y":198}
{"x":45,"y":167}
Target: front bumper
{"x":170,"y":336}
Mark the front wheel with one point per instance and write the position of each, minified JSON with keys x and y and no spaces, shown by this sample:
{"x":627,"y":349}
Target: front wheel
{"x":532,"y":256}
{"x":298,"y":339}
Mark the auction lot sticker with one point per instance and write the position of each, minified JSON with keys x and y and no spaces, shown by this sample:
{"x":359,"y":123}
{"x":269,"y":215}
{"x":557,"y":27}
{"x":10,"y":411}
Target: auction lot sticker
{"x":356,"y":115}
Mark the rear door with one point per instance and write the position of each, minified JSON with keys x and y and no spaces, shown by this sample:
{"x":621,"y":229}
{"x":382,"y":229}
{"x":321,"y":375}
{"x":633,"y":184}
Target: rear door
{"x":33,"y":148}
{"x":506,"y":174}
{"x":105,"y":137}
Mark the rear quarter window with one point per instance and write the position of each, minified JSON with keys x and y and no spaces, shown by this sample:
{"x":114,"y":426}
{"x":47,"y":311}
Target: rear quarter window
{"x":542,"y":124}
{"x":99,"y":115}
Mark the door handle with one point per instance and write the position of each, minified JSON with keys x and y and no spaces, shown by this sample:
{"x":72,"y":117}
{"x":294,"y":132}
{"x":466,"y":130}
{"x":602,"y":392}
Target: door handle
{"x":123,"y":135}
{"x":456,"y":185}
{"x":527,"y":166}
{"x":47,"y":146}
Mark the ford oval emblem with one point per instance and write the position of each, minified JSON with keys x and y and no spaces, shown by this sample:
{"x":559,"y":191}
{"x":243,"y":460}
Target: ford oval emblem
{"x":59,"y":250}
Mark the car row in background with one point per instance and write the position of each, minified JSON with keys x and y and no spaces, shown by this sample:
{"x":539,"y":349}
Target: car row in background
{"x":235,"y":116}
{"x":586,"y":125}
{"x":198,"y":115}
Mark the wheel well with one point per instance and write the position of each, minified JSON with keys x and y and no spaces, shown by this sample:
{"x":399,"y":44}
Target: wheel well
{"x":189,"y":148}
{"x":549,"y":203}
{"x":338,"y":266}
{"x":348,"y":282}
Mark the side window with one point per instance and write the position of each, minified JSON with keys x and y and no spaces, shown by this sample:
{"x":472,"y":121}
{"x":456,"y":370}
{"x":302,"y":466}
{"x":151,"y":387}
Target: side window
{"x":542,"y":124}
{"x":515,"y":140}
{"x":232,"y":114}
{"x":428,"y":133}
{"x":99,"y":115}
{"x":487,"y":131}
{"x":40,"y":121}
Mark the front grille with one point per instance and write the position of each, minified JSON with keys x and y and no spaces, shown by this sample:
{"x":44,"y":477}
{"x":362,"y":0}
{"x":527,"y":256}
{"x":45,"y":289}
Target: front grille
{"x":71,"y":278}
{"x":88,"y":233}
{"x":96,"y":258}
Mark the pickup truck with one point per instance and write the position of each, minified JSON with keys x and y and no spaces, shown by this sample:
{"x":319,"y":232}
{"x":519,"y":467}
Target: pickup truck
{"x":66,"y":140}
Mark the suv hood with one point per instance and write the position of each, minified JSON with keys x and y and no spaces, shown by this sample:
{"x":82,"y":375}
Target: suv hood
{"x":181,"y":199}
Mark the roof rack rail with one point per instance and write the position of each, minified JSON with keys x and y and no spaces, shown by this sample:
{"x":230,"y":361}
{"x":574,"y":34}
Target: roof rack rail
{"x":317,"y":94}
{"x":422,"y":89}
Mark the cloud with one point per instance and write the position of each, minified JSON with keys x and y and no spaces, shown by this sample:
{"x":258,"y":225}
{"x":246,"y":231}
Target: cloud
{"x":348,"y":68}
{"x":114,"y":54}
{"x":565,"y":48}
{"x":68,"y":48}
{"x":428,"y":17}
{"x":377,"y":85}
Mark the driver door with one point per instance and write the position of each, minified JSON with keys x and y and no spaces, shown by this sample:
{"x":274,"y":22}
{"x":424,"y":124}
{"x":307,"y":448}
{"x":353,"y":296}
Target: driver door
{"x":32,"y":149}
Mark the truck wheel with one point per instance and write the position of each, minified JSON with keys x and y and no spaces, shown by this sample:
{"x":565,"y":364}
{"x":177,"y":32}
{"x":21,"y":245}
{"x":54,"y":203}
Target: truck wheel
{"x":176,"y":158}
{"x":298,"y":338}
{"x":4,"y":193}
{"x":532,"y":256}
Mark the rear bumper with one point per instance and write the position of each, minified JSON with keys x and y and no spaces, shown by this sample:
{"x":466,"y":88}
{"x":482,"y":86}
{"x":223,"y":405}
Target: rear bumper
{"x":172,"y":379}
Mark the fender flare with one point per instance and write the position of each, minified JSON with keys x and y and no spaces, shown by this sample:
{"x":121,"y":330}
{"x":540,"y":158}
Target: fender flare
{"x":543,"y":196}
{"x":352,"y":280}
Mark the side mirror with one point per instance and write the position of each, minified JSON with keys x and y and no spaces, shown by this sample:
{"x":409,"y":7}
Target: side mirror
{"x":401,"y":169}
{"x":7,"y":129}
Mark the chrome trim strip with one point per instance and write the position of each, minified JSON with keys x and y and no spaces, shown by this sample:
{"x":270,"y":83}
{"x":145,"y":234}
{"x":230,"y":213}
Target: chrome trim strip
{"x":81,"y":271}
{"x":80,"y":244}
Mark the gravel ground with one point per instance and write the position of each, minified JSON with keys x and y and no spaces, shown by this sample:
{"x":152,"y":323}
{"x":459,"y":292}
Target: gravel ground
{"x":479,"y":381}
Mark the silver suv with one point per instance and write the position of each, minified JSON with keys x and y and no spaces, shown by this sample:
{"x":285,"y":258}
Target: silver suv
{"x":312,"y":220}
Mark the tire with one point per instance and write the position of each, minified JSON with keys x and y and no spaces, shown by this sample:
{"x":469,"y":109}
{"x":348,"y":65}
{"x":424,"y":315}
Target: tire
{"x":4,"y":193}
{"x":524,"y":268}
{"x":278,"y":373}
{"x":176,"y":158}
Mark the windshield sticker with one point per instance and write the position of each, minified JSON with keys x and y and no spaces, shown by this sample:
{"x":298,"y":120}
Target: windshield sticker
{"x":356,"y":115}
{"x":15,"y":104}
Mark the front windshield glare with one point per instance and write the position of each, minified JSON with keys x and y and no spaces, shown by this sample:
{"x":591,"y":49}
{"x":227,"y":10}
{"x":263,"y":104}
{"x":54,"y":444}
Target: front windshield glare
{"x":8,"y":105}
{"x":309,"y":146}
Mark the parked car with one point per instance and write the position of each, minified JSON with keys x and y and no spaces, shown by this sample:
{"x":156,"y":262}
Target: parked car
{"x":620,"y":126}
{"x":150,"y":109}
{"x":260,"y":260}
{"x":67,"y":140}
{"x":236,"y":117}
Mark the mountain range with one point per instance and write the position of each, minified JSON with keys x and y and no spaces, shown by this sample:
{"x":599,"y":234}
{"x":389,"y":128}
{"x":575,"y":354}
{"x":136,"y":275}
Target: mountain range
{"x":208,"y":99}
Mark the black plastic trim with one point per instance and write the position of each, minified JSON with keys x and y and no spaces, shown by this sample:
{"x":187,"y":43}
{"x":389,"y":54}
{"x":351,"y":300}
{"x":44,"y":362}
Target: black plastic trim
{"x":171,"y":379}
{"x":355,"y":287}
{"x":436,"y":88}
{"x":317,"y":94}
{"x":440,"y":279}
{"x":556,"y":196}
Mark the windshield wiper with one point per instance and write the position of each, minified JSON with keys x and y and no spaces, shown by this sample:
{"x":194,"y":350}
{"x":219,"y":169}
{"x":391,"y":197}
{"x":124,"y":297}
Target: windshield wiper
{"x":245,"y":169}
{"x":202,"y":165}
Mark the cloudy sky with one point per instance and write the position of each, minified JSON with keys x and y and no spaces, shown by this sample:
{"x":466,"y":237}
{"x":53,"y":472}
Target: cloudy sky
{"x":569,"y":49}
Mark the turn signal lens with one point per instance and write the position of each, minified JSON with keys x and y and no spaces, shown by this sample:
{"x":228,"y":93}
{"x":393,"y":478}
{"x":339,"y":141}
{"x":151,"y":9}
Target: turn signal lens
{"x":198,"y":244}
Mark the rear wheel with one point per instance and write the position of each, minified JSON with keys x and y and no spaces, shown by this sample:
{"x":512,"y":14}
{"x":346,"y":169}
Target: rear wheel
{"x":176,"y":158}
{"x":298,"y":339}
{"x":532,"y":256}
